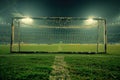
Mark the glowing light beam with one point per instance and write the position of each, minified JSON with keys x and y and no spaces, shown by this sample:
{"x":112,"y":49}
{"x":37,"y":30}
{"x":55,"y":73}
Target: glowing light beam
{"x":27,"y":20}
{"x":90,"y":23}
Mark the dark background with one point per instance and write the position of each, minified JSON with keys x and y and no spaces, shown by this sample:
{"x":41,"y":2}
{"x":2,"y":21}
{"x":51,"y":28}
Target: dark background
{"x":108,"y":9}
{"x":81,"y":8}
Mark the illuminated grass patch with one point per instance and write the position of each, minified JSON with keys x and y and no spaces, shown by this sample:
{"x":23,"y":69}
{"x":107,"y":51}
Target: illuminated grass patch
{"x":80,"y":66}
{"x":59,"y":47}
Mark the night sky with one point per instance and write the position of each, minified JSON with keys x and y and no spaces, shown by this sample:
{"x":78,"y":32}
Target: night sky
{"x":108,"y":9}
{"x":81,"y":8}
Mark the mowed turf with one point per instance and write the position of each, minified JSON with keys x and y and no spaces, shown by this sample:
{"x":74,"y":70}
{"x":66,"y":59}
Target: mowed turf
{"x":25,"y":67}
{"x":59,"y":47}
{"x":80,"y":66}
{"x":93,"y":67}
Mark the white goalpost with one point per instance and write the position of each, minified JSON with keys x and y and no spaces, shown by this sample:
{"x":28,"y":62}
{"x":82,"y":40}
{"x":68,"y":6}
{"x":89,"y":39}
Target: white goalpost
{"x":58,"y":34}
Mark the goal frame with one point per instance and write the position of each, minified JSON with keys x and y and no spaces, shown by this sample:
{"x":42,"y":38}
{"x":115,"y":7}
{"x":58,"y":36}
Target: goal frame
{"x":52,"y":18}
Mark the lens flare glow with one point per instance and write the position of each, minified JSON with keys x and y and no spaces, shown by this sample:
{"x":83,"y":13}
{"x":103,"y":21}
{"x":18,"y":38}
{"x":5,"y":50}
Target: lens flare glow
{"x":27,"y":20}
{"x":90,"y":23}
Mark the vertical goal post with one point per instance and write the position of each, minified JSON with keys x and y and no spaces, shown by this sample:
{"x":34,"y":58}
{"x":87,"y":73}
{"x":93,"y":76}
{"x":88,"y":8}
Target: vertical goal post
{"x":67,"y":34}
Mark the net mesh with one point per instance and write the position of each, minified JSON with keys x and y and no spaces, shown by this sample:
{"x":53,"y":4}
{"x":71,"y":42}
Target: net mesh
{"x":59,"y":34}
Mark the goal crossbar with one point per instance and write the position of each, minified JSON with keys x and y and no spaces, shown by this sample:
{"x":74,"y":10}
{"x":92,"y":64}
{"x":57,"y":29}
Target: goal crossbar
{"x":15,"y":47}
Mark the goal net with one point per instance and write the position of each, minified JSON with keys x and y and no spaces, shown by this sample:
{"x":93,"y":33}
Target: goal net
{"x":58,"y":34}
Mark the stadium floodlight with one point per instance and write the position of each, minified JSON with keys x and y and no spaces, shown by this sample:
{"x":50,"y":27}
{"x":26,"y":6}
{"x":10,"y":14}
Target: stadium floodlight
{"x":27,"y":20}
{"x":58,"y":34}
{"x":90,"y":21}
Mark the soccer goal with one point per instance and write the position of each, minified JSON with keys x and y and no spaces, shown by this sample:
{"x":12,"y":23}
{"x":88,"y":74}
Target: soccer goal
{"x":58,"y":34}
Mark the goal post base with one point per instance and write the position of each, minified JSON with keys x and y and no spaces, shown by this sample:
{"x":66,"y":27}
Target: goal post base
{"x":43,"y":52}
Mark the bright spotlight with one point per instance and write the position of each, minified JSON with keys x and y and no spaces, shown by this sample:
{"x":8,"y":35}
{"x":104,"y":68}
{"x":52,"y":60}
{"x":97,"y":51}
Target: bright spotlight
{"x":27,"y":20}
{"x":90,"y":21}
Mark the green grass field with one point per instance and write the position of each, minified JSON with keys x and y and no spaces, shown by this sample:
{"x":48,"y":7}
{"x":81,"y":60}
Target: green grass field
{"x":80,"y":66}
{"x":93,"y":67}
{"x":59,"y":47}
